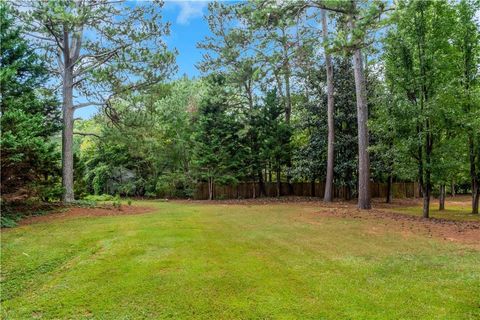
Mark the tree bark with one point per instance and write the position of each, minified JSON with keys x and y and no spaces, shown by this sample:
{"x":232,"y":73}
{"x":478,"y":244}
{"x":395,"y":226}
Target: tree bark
{"x":428,"y":179}
{"x":452,"y":188}
{"x":473,"y":175}
{"x":67,"y":132}
{"x":328,"y":195}
{"x":210,"y":188}
{"x":441,"y":198}
{"x":288,"y":103}
{"x":362,"y":118}
{"x":261,"y":184}
{"x":426,"y":202}
{"x":389,"y":189}
{"x":475,"y":199}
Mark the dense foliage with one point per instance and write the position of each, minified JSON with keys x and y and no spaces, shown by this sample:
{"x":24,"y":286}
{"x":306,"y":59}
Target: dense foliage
{"x":405,"y":78}
{"x":30,"y":117}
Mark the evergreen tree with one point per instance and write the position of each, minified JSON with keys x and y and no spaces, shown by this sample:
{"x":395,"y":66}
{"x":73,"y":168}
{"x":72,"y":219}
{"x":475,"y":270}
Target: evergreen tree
{"x":217,"y":153}
{"x":30,"y":115}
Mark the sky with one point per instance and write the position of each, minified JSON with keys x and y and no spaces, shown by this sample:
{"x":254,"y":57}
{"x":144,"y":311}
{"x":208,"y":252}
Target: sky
{"x":187,"y":28}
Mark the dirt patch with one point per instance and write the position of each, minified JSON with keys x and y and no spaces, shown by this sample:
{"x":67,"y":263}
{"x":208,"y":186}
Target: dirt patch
{"x":85,"y":212}
{"x":465,"y":232}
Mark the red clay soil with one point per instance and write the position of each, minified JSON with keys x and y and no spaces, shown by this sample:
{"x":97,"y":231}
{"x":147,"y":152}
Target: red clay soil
{"x":85,"y":212}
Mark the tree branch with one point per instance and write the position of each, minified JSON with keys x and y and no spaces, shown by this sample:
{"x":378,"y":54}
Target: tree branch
{"x":87,"y":134}
{"x":87,"y":104}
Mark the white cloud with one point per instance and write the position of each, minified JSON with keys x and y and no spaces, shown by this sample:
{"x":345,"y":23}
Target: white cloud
{"x":189,"y":10}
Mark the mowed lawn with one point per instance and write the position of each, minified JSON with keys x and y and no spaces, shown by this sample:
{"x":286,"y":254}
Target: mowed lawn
{"x":223,"y":261}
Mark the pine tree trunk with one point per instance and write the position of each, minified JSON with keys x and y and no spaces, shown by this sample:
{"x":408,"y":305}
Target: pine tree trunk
{"x":362,"y":117}
{"x":328,"y":195}
{"x":452,"y":187}
{"x":67,"y":133}
{"x":210,"y":188}
{"x":389,"y":189}
{"x":441,"y":198}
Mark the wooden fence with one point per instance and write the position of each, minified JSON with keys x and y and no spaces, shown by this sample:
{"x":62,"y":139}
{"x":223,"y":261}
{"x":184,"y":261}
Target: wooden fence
{"x":245,"y":190}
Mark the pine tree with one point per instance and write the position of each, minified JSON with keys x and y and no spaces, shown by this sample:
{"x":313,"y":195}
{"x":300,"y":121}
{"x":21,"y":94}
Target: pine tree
{"x":30,"y":115}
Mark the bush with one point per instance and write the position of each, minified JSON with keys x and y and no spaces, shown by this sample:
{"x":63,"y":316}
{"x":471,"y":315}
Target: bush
{"x":84,"y":203}
{"x":103,"y":197}
{"x":7,"y":222}
{"x":117,"y":204}
{"x":48,"y":193}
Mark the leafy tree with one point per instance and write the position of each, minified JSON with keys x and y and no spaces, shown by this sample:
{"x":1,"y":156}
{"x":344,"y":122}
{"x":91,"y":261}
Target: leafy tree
{"x":419,"y":65}
{"x":466,"y":41}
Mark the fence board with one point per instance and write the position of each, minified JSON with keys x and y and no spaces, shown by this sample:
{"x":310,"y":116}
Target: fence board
{"x":244,"y":190}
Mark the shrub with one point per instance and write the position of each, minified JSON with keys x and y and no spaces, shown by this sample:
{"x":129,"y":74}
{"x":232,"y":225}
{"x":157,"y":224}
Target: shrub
{"x":102,"y":197}
{"x":7,"y":222}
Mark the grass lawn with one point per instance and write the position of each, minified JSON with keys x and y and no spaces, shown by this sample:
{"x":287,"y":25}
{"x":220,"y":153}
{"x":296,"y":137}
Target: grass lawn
{"x":456,"y":209}
{"x":219,"y":261}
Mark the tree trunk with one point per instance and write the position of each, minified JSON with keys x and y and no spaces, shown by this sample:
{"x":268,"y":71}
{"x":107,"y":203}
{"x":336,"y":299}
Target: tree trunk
{"x":67,"y":133}
{"x":389,"y":189}
{"x":288,"y":102}
{"x":328,"y":195}
{"x":452,"y":189}
{"x":428,"y":179}
{"x":475,"y":199}
{"x":279,"y":186}
{"x":261,"y":183}
{"x":441,"y":198}
{"x":420,"y":163}
{"x":473,"y":175}
{"x":362,"y":117}
{"x":426,"y":202}
{"x":210,"y":188}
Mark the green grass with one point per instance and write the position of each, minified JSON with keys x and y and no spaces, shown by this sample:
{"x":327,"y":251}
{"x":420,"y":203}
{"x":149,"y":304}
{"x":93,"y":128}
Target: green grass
{"x":451,"y":212}
{"x":191,"y":261}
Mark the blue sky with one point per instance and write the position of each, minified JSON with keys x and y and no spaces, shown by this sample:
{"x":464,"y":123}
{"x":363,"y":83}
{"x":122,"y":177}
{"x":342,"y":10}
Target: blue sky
{"x":187,"y":28}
